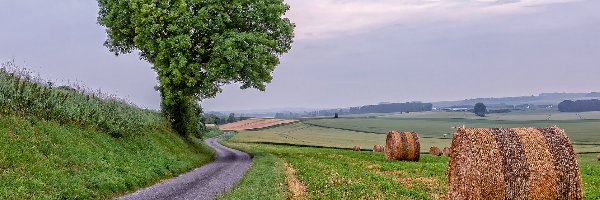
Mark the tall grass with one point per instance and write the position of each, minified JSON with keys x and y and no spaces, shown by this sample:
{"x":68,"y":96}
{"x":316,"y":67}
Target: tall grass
{"x":25,"y":95}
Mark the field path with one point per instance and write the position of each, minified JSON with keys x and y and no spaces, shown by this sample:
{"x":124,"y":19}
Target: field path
{"x":205,"y":182}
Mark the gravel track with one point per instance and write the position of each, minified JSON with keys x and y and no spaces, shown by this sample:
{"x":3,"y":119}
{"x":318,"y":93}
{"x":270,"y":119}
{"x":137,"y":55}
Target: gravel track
{"x":205,"y":182}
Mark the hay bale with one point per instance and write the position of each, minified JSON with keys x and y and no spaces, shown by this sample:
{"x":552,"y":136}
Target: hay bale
{"x":356,"y":148}
{"x":446,"y":151}
{"x":378,"y":148}
{"x":402,"y":146}
{"x":434,"y":151}
{"x":598,"y":157}
{"x":513,"y":163}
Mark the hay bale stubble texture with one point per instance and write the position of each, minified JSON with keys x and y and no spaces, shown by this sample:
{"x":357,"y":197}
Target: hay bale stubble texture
{"x":434,"y":151}
{"x":446,"y":151}
{"x":378,"y":148}
{"x":402,"y":146}
{"x":515,"y":163}
{"x":356,"y":148}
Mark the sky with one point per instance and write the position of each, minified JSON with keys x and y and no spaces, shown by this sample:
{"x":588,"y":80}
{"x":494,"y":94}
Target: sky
{"x":345,"y":53}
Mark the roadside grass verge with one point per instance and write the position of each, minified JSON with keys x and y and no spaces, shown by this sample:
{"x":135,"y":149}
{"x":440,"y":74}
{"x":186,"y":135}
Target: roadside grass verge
{"x":332,"y":173}
{"x":212,"y":132}
{"x":265,"y":179}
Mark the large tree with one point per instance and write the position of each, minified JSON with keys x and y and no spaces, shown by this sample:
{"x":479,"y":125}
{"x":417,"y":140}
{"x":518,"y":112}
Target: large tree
{"x":197,"y":46}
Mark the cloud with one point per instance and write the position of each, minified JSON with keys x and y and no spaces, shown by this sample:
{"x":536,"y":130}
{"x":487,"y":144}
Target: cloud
{"x":320,"y":19}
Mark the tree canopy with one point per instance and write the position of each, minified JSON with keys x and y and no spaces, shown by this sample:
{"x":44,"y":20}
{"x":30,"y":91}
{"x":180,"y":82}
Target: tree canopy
{"x":480,"y":109}
{"x":579,"y":105}
{"x":197,"y":46}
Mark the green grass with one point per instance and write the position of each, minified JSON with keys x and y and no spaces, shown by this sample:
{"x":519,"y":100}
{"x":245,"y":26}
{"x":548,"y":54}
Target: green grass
{"x":583,"y":133}
{"x":590,"y":173}
{"x":529,"y":115}
{"x":304,"y":134}
{"x":66,"y":143}
{"x":46,"y":160}
{"x":264,"y":180}
{"x":344,"y":174}
{"x":25,"y":95}
{"x":212,"y":132}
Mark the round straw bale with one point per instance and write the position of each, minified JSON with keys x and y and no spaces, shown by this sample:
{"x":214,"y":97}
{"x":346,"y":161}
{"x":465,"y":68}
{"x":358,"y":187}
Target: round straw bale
{"x":356,"y":148}
{"x":446,"y":151}
{"x":378,"y":148}
{"x":598,"y":157}
{"x":434,"y":151}
{"x":402,"y":146}
{"x":513,"y":163}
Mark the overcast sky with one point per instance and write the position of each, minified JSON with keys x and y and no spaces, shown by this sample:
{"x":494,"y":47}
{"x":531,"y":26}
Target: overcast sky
{"x":346,"y":52}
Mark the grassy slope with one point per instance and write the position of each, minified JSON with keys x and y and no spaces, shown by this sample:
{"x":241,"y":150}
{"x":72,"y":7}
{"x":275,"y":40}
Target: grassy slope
{"x":344,"y":174}
{"x":75,"y":143}
{"x":44,"y":160}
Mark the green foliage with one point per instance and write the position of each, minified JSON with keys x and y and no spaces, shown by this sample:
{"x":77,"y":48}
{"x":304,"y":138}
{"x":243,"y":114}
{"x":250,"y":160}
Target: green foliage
{"x":214,"y":119}
{"x":480,"y":109}
{"x":185,"y":116}
{"x":24,"y":95}
{"x":197,"y":46}
{"x":212,"y":132}
{"x":231,"y":118}
{"x":46,"y":160}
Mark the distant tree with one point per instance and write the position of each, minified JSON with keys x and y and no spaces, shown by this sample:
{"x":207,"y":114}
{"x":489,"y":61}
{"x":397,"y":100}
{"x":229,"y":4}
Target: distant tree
{"x":335,"y":116}
{"x":231,"y":118}
{"x":480,"y":109}
{"x":196,"y":47}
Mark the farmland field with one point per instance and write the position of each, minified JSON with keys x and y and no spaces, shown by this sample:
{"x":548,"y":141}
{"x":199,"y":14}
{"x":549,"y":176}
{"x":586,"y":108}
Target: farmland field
{"x":339,"y":173}
{"x":583,"y":132}
{"x":307,"y":134}
{"x":304,"y":134}
{"x":255,"y":123}
{"x":344,"y":174}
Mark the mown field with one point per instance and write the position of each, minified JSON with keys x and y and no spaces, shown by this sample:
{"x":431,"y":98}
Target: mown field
{"x":331,"y":173}
{"x":343,"y":137}
{"x":583,"y":133}
{"x":305,"y":134}
{"x":319,"y":149}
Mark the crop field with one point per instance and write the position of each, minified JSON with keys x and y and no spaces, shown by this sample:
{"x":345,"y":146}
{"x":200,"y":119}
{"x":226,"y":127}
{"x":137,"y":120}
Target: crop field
{"x":344,"y":174}
{"x":307,"y":134}
{"x":542,"y":114}
{"x":255,"y":123}
{"x":304,"y":134}
{"x":583,"y":133}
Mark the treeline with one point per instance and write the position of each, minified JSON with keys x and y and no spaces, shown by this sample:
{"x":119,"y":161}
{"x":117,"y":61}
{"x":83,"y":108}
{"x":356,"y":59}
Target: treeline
{"x":579,"y":105}
{"x":380,"y":108}
{"x":392,"y":107}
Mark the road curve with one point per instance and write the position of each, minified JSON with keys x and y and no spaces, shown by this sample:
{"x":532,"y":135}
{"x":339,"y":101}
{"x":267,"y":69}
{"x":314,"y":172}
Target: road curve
{"x":205,"y":182}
